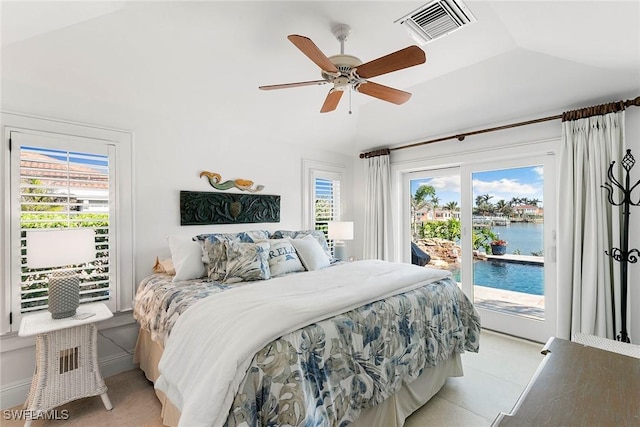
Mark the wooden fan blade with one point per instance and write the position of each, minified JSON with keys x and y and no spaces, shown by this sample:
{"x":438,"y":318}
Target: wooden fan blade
{"x":331,"y":101}
{"x":310,"y":49}
{"x":384,"y":93}
{"x":404,"y":58}
{"x":288,"y":85}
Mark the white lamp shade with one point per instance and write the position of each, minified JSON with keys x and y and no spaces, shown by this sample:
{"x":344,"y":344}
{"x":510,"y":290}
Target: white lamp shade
{"x":60,"y":247}
{"x":340,"y":230}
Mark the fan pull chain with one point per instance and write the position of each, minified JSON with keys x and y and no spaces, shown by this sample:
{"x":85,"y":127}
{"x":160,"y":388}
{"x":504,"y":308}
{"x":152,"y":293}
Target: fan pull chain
{"x":350,"y":90}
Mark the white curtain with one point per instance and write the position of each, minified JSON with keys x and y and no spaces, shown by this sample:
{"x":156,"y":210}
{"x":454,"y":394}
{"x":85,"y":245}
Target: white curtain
{"x":378,"y":239}
{"x":588,"y":225}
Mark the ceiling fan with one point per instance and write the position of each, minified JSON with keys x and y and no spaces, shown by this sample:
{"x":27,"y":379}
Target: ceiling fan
{"x":347,"y":72}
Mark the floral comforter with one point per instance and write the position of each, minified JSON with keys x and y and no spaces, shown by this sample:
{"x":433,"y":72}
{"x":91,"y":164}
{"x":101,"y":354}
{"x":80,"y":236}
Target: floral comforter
{"x":327,"y":372}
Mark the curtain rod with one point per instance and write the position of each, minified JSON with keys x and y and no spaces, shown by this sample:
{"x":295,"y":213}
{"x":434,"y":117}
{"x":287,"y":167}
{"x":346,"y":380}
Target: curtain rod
{"x":570,"y":115}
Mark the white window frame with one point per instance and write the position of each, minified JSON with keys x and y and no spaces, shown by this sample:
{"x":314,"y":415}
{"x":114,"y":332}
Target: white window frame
{"x":122,"y":186}
{"x":311,"y":170}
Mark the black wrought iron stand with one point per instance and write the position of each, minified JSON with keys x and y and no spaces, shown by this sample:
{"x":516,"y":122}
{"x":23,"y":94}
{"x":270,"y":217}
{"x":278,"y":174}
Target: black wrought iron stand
{"x":623,"y":255}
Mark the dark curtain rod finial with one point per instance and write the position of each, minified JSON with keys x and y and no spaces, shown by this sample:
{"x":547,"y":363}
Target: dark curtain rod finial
{"x":375,"y":153}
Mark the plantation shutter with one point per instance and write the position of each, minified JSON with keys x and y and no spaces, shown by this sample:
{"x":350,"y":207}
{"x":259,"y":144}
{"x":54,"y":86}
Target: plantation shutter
{"x":327,"y":204}
{"x":63,"y":188}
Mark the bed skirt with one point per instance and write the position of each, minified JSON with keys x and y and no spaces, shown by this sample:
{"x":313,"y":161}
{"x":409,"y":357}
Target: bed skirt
{"x":391,"y":413}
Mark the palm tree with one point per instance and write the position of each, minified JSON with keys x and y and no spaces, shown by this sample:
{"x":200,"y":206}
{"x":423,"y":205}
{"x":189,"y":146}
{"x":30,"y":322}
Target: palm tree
{"x":433,"y":203}
{"x":504,"y":208}
{"x":423,"y":195}
{"x":452,"y":206}
{"x":517,"y":201}
{"x":484,"y":207}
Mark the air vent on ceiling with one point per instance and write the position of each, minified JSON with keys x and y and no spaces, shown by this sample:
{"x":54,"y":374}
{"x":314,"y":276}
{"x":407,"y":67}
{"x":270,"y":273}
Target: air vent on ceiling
{"x":436,"y":19}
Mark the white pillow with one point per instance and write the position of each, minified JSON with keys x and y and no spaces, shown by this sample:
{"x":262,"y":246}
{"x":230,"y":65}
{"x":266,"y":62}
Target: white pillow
{"x":283,"y":257}
{"x":186,"y":255}
{"x":311,"y":253}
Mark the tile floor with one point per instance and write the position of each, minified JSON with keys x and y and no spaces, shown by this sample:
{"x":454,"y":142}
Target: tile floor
{"x":493,"y":380}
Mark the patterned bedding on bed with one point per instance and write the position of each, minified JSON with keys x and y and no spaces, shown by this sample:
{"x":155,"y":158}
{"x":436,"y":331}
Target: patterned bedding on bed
{"x":159,"y":301}
{"x":325,"y":373}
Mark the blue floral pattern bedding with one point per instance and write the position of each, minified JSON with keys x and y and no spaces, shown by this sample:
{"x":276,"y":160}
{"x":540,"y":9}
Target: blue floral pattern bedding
{"x":159,"y":302}
{"x":326,"y":373}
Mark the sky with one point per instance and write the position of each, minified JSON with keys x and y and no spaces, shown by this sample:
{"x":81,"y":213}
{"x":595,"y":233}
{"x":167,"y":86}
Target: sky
{"x":73,"y":156}
{"x":503,"y":184}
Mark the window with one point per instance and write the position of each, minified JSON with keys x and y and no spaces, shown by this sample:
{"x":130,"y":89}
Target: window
{"x":66,"y":176}
{"x":323,"y":195}
{"x":326,"y":204}
{"x":63,"y":189}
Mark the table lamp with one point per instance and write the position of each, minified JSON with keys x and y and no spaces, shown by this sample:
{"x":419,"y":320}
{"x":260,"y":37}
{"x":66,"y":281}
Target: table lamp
{"x":339,"y":231}
{"x":61,"y":248}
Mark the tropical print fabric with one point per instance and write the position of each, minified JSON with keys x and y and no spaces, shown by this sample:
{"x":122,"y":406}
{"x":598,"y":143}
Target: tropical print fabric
{"x":215,"y":252}
{"x":324,"y":374}
{"x":159,"y":302}
{"x":247,"y":262}
{"x":243,"y":236}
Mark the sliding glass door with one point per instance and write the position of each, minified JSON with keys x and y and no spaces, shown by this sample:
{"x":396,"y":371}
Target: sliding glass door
{"x":493,"y":225}
{"x":511,"y":212}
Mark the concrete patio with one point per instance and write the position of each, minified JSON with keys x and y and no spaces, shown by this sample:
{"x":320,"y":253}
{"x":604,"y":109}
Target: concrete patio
{"x":517,"y":303}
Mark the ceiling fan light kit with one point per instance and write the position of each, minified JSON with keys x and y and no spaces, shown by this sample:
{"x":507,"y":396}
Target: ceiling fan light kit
{"x":347,"y":72}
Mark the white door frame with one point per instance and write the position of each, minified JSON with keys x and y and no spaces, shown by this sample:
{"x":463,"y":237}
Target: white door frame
{"x":524,"y":151}
{"x":537,"y":330}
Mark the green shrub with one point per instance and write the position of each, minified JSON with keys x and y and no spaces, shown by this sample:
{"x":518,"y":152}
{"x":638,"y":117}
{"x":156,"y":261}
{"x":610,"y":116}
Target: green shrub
{"x":448,"y":230}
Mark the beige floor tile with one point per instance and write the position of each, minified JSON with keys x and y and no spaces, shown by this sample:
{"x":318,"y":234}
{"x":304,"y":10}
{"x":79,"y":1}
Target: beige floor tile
{"x":439,"y":412}
{"x":483,"y":394}
{"x":508,"y":358}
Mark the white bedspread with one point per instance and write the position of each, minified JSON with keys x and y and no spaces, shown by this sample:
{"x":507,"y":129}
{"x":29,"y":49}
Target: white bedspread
{"x":212,"y":343}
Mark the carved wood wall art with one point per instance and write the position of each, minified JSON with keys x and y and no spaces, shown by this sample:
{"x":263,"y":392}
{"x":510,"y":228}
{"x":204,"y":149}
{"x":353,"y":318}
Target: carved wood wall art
{"x":199,"y":208}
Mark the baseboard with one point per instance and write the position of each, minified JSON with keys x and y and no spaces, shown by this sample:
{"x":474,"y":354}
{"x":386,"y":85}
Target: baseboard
{"x":16,"y":394}
{"x":116,"y":363}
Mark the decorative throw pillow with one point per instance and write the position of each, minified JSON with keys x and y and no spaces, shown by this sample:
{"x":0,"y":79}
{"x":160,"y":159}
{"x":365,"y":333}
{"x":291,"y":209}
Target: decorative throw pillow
{"x":299,"y":234}
{"x":250,"y":236}
{"x":186,"y":255}
{"x":247,"y":262}
{"x":215,"y":252}
{"x":283,"y":257}
{"x":255,"y":235}
{"x":311,"y":253}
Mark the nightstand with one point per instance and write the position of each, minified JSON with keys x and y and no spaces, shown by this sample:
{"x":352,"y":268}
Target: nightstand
{"x":66,"y":358}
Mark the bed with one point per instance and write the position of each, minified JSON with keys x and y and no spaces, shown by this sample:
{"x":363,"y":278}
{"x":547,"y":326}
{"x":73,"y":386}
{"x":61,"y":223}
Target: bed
{"x":358,"y":343}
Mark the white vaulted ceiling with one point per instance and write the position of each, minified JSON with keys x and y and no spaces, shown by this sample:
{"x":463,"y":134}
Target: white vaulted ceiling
{"x":205,"y":60}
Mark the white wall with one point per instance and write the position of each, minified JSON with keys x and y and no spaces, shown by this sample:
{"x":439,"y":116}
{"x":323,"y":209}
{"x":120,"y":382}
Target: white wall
{"x":170,"y":150}
{"x":538,"y":132}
